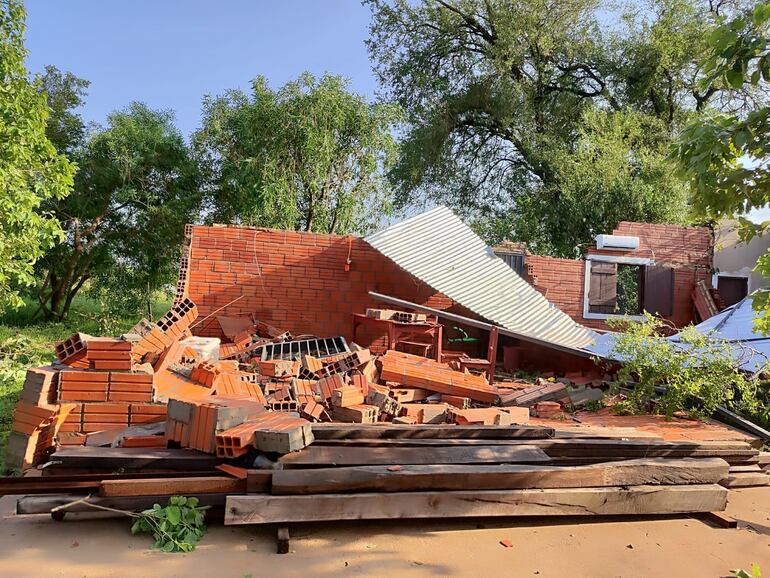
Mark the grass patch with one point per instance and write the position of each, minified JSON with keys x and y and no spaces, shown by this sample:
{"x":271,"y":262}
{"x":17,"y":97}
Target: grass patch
{"x":27,"y":342}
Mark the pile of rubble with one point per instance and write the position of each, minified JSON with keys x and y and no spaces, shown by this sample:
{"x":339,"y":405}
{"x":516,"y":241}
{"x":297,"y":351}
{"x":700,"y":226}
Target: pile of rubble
{"x":222,"y":398}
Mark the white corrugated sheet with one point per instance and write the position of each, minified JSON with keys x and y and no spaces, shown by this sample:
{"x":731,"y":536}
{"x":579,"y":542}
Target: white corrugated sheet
{"x":440,"y":250}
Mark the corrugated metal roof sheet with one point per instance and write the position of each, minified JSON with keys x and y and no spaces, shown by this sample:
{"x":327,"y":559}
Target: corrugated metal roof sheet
{"x":439,"y":249}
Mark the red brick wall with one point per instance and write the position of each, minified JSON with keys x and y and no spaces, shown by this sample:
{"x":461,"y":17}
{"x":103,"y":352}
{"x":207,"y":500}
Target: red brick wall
{"x":689,"y":250}
{"x":560,"y":281}
{"x":295,"y":281}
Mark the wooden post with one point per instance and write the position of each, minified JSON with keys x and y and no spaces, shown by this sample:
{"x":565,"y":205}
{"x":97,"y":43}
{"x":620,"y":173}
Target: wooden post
{"x":492,"y":354}
{"x":282,"y":540}
{"x":439,"y":337}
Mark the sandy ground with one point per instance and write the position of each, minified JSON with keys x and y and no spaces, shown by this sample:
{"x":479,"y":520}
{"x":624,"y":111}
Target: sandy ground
{"x":35,"y":546}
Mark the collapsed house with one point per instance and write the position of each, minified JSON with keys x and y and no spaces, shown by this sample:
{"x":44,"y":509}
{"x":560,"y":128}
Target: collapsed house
{"x":296,"y":368}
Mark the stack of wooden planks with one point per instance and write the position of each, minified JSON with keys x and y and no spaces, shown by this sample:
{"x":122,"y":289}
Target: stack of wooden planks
{"x":370,"y":471}
{"x":379,"y":472}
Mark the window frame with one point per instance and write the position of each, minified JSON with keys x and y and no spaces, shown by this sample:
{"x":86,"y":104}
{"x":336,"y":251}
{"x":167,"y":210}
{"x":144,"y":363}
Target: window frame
{"x":739,"y":275}
{"x":587,"y":314}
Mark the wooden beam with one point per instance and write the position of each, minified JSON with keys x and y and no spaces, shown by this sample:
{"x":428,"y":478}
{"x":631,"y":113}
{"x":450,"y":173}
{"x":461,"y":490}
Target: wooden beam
{"x":173,"y":486}
{"x":44,"y":504}
{"x":635,"y":500}
{"x":719,"y":519}
{"x":353,"y":456}
{"x":282,"y":540}
{"x":497,"y":477}
{"x":566,"y":447}
{"x":133,"y":458}
{"x":746,"y":479}
{"x":325,"y":431}
{"x":258,"y":481}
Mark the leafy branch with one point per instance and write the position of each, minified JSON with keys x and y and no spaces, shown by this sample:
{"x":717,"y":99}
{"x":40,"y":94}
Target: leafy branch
{"x":176,"y":528}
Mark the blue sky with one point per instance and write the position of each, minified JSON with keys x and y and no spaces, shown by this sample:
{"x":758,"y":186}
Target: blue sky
{"x":169,"y":53}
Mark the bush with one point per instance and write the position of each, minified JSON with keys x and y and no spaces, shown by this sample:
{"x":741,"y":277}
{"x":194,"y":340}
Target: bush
{"x":698,"y":373}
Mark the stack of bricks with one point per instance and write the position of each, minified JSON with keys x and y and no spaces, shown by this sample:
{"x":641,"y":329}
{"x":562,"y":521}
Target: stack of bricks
{"x":170,"y":328}
{"x":344,"y":363}
{"x":92,"y":417}
{"x":239,"y":384}
{"x":32,"y":433}
{"x":86,"y":385}
{"x":270,"y":432}
{"x":195,"y":423}
{"x":109,"y":354}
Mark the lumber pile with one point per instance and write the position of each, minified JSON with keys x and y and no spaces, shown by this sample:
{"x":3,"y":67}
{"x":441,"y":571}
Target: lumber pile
{"x":370,"y":471}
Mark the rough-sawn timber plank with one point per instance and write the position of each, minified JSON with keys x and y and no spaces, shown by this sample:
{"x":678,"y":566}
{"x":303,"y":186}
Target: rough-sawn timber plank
{"x":316,"y":456}
{"x":497,"y":477}
{"x":263,"y":509}
{"x":44,"y":504}
{"x":323,"y":431}
{"x":173,"y":486}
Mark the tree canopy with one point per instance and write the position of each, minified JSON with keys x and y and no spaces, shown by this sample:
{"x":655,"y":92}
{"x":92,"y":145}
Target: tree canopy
{"x":307,"y":156}
{"x":137,"y":185}
{"x":725,"y":155}
{"x":515,"y":109}
{"x":31,"y":170}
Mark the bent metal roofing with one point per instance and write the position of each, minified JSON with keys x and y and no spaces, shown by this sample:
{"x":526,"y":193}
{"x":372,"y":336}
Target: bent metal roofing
{"x":439,"y":249}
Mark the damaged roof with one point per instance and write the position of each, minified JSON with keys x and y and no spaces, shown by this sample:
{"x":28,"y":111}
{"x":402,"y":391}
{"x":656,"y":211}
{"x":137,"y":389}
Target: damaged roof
{"x":735,"y":326}
{"x":439,"y":249}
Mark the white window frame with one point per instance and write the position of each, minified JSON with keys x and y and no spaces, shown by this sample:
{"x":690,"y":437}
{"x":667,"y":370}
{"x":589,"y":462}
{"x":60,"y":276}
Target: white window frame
{"x":737,"y":274}
{"x":587,"y":283}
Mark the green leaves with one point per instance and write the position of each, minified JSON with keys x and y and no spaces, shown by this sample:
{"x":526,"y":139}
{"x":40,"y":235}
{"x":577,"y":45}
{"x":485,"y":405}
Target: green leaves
{"x":309,"y":156}
{"x":31,"y":171}
{"x":693,"y":383}
{"x":508,"y":104}
{"x":136,"y":187}
{"x":176,"y":528}
{"x":724,"y":157}
{"x":756,"y":572}
{"x":734,"y":78}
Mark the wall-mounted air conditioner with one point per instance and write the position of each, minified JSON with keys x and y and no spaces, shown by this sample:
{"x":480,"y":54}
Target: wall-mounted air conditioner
{"x":617,"y":242}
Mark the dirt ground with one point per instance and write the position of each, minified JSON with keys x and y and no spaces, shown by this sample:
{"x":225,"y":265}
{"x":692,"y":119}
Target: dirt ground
{"x":35,"y":546}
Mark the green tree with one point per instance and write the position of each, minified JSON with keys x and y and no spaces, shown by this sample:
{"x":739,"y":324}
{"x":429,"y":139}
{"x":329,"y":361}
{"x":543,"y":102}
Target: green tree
{"x":136,"y":187}
{"x":31,"y":171}
{"x":695,"y":384}
{"x":725,"y":156}
{"x":309,"y":156}
{"x":515,"y":109}
{"x":64,"y":93}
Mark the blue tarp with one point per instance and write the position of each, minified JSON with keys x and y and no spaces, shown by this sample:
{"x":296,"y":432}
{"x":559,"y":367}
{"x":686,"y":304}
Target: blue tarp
{"x":734,"y":326}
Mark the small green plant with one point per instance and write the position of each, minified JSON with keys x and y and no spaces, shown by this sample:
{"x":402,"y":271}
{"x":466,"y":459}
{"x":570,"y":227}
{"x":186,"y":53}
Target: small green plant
{"x":593,"y":405}
{"x":698,"y":373}
{"x":755,"y":572}
{"x":175,"y":528}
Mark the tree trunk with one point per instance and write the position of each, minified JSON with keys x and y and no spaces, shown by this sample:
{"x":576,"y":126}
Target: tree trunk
{"x":149,"y":301}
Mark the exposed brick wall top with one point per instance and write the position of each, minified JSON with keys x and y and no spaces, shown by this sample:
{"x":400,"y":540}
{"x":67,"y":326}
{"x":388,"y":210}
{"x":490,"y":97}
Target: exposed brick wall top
{"x":293,"y":280}
{"x":667,"y":244}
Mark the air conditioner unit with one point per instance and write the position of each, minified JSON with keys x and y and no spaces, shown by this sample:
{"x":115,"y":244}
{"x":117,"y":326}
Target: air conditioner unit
{"x":617,"y":242}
